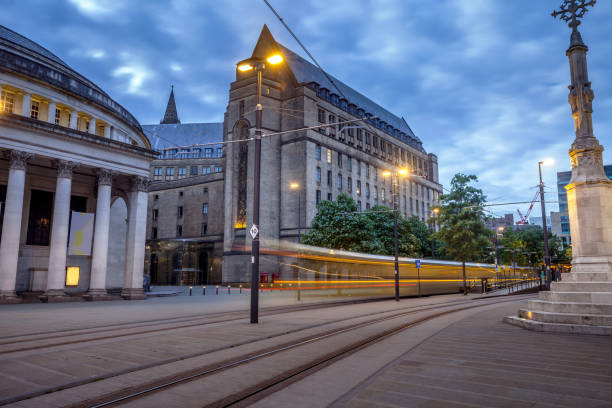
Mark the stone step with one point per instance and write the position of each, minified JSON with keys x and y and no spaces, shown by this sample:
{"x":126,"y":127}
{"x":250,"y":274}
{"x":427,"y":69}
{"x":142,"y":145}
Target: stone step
{"x":587,"y":277}
{"x":569,"y":307}
{"x":558,"y":328}
{"x":594,"y":286}
{"x":566,"y":318}
{"x":579,"y":297}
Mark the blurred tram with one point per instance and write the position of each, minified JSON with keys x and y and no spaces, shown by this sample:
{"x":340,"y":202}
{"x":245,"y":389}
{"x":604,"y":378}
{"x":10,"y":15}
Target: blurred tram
{"x":317,"y":272}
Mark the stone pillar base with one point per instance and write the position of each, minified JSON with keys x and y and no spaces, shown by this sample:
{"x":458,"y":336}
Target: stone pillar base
{"x":592,"y":264}
{"x":99,"y":294}
{"x":58,"y":296}
{"x":133,"y":294}
{"x":9,"y":297}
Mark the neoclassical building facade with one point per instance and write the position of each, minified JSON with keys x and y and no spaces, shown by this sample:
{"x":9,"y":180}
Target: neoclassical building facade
{"x":67,"y":150}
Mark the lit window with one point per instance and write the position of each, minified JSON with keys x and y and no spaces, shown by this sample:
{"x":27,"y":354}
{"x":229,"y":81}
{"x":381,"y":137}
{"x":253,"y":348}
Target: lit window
{"x":72,"y":275}
{"x":205,"y":208}
{"x":382,"y":194}
{"x":34,"y":110}
{"x":329,"y":156}
{"x":7,"y":102}
{"x":358,"y":189}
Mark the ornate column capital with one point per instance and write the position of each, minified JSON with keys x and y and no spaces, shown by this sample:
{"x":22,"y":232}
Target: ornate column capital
{"x":140,"y":184}
{"x":18,"y":159}
{"x":64,"y":168}
{"x":105,"y":177}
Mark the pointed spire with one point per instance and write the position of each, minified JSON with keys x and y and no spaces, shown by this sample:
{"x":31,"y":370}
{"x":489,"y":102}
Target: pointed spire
{"x":171,"y":116}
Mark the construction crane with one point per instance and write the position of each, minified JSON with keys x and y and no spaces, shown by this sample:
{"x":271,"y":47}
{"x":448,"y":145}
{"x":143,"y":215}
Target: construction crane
{"x":523,"y":218}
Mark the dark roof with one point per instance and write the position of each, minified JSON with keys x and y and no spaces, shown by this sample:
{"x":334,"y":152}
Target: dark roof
{"x":171,"y":115}
{"x":183,"y":134}
{"x":10,"y":35}
{"x":306,"y":73}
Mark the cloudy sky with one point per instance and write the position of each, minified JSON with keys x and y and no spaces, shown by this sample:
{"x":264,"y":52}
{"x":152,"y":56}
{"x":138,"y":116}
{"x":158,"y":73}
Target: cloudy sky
{"x":482,"y":82}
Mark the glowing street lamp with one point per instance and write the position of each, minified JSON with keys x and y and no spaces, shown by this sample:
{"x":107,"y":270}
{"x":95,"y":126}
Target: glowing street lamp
{"x":258,"y":65}
{"x":435,"y":213}
{"x":395,"y":185}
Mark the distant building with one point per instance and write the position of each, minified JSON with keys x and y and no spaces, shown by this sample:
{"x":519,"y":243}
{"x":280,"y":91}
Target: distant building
{"x":538,"y":221}
{"x":507,"y":221}
{"x":560,"y":221}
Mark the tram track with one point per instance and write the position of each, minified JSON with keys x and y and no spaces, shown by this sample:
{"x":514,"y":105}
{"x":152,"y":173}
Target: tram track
{"x":263,"y":388}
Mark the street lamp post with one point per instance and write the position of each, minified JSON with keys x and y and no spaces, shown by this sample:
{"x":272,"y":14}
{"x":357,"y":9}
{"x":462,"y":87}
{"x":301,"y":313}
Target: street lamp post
{"x":545,"y":232}
{"x":435,"y":212}
{"x":296,"y":187}
{"x":395,"y":186}
{"x":259,"y":66}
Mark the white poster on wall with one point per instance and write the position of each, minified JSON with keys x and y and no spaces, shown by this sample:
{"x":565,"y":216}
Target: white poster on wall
{"x":81,"y":233}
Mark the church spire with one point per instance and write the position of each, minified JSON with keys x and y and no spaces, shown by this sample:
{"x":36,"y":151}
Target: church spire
{"x":171,"y":116}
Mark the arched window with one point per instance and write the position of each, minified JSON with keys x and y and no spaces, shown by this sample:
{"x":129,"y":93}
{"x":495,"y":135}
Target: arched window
{"x":242,"y":132}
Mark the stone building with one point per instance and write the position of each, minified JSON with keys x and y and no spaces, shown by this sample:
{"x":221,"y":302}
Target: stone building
{"x":185,"y":215}
{"x":67,"y":151}
{"x":323,"y":162}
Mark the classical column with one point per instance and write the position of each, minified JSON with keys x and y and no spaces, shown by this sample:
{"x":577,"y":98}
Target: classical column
{"x":135,"y":242}
{"x":107,"y":131}
{"x":11,"y":230}
{"x":26,"y":104}
{"x":92,"y":126}
{"x":74,"y":116}
{"x":51,"y":115}
{"x":97,"y":284}
{"x":56,"y":275}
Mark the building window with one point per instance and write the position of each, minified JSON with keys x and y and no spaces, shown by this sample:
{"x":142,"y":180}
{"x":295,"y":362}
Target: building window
{"x":375,"y":171}
{"x":205,"y":208}
{"x":180,"y":193}
{"x":39,"y":220}
{"x":318,"y":197}
{"x":205,"y":190}
{"x":154,"y":233}
{"x":179,"y":211}
{"x":157,"y":173}
{"x":329,"y":178}
{"x":349,"y":185}
{"x":376,"y":193}
{"x":169,"y":173}
{"x":182,"y":172}
{"x":359,"y":206}
{"x":318,"y":152}
{"x":219,"y":152}
{"x":349,"y":164}
{"x":154,"y":214}
{"x":58,"y":115}
{"x":367,"y":190}
{"x":382,"y":194}
{"x":367,"y":170}
{"x":339,"y":181}
{"x":179,"y":230}
{"x":241,"y":108}
{"x":358,"y":167}
{"x":7,"y":102}
{"x":218,"y":169}
{"x":193,"y":171}
{"x":367,"y":206}
{"x":321,"y":116}
{"x":204,"y":229}
{"x":34,"y":110}
{"x":318,"y":175}
{"x":329,"y":156}
{"x":205,"y":170}
{"x":368,"y":138}
{"x":329,"y":197}
{"x":339,"y":160}
{"x":208,"y":152}
{"x":156,"y":197}
{"x":358,"y":187}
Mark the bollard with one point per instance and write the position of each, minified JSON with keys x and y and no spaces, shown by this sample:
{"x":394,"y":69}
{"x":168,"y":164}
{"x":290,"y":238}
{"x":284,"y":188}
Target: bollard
{"x":217,"y":289}
{"x":190,"y":288}
{"x":228,"y":289}
{"x":203,"y":290}
{"x":240,"y":288}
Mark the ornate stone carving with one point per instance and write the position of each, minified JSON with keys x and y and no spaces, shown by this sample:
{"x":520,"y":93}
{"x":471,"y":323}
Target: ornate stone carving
{"x":140,"y":184}
{"x":587,"y":158}
{"x":105,"y":177}
{"x":64,"y":168}
{"x":19,"y":159}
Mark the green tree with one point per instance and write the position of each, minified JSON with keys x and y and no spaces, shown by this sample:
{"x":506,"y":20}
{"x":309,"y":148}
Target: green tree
{"x":422,"y":233}
{"x":461,"y":218}
{"x":381,"y":221}
{"x":338,"y":225}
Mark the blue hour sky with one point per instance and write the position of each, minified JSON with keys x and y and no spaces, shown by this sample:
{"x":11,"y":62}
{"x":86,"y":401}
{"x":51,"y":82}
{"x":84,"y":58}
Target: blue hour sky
{"x":482,"y":82}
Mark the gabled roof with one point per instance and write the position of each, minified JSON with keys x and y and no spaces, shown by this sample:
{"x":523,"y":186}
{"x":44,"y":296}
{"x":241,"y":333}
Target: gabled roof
{"x":183,"y":134}
{"x":306,"y":73}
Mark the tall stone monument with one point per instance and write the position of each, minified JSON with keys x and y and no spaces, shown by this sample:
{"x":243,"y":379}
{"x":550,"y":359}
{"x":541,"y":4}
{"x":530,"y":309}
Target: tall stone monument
{"x":582,"y":303}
